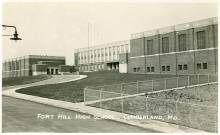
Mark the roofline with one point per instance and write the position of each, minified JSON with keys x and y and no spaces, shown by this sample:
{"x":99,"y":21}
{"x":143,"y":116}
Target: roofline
{"x":35,"y":57}
{"x":115,"y":43}
{"x":178,"y":27}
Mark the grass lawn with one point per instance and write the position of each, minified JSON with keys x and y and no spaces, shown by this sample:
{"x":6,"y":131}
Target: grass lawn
{"x":23,"y":80}
{"x":73,"y":91}
{"x":195,"y":116}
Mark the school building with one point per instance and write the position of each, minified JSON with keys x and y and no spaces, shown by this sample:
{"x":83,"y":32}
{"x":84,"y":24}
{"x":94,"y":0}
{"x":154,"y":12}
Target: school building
{"x":34,"y":65}
{"x":102,"y":57}
{"x":189,"y":48}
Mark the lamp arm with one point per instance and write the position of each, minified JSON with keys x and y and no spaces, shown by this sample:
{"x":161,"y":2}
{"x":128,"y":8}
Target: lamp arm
{"x":10,"y":26}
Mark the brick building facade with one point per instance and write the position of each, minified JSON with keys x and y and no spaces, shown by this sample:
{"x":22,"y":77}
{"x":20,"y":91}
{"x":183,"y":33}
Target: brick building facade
{"x":189,"y":48}
{"x":34,"y":65}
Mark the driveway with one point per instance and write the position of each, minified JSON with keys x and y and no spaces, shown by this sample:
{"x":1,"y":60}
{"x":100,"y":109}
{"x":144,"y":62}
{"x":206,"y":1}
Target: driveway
{"x":22,"y":116}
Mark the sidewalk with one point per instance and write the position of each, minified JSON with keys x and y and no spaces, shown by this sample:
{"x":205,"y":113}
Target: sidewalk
{"x":98,"y":112}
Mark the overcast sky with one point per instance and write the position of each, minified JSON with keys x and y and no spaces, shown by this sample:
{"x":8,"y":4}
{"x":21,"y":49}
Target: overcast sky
{"x":59,"y":28}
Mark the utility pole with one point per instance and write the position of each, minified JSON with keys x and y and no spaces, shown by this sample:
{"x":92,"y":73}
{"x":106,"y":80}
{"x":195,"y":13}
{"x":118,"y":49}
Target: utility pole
{"x":88,"y":47}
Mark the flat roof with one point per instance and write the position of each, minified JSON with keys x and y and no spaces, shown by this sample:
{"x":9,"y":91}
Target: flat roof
{"x":110,"y":44}
{"x":178,"y":27}
{"x":36,"y":57}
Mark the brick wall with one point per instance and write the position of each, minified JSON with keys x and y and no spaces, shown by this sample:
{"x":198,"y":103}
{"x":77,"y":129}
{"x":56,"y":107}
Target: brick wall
{"x":137,"y":47}
{"x":187,"y":58}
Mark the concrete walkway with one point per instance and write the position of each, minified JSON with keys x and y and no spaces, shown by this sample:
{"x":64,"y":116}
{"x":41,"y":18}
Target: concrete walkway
{"x":81,"y":107}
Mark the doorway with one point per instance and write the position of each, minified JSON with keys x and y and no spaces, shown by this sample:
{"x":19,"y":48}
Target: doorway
{"x":48,"y":71}
{"x":52,"y":71}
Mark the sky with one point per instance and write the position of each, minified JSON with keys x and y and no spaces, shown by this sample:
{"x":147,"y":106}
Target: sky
{"x":58,"y":28}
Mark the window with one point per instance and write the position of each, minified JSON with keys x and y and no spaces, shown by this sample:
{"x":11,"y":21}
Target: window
{"x":17,"y":65}
{"x":122,"y":49}
{"x":149,"y":47}
{"x":148,"y":69}
{"x":201,"y":39}
{"x":180,"y":67}
{"x":134,"y":69}
{"x":185,"y":67}
{"x":163,"y":68}
{"x":182,"y":42}
{"x":205,"y":66}
{"x":199,"y":66}
{"x":152,"y":69}
{"x":165,"y":45}
{"x":168,"y":68}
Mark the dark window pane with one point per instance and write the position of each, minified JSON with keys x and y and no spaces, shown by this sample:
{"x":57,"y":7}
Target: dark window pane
{"x":199,"y":66}
{"x":205,"y":66}
{"x":168,"y":68}
{"x":182,"y":42}
{"x":134,"y":69}
{"x":148,"y":69}
{"x":149,"y":47}
{"x":165,"y":45}
{"x":201,"y":39}
{"x":152,"y":69}
{"x":163,"y":68}
{"x":185,"y":67}
{"x":180,"y":67}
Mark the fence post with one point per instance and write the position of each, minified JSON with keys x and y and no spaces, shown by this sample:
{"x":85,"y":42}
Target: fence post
{"x":198,"y":78}
{"x":177,"y":109}
{"x":122,"y":104}
{"x":208,"y":77}
{"x":100,"y":98}
{"x":188,"y":81}
{"x":177,"y":82}
{"x":152,"y":85}
{"x":146,"y":109}
{"x":84,"y":99}
{"x":165,"y":85}
{"x":121,"y":87}
{"x":137,"y":87}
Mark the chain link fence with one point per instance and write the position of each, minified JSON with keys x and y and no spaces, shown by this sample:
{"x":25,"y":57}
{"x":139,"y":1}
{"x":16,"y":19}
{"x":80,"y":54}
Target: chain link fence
{"x":168,"y":100}
{"x":156,"y":85}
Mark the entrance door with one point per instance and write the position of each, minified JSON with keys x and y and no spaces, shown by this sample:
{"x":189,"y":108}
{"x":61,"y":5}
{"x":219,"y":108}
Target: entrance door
{"x":52,"y":71}
{"x":48,"y":71}
{"x":56,"y":71}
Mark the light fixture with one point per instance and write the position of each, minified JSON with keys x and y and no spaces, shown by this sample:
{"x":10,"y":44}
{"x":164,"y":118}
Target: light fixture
{"x":15,"y":35}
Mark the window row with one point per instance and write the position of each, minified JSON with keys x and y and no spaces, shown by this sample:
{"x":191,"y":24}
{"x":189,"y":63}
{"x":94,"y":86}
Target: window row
{"x":165,"y":68}
{"x":110,"y":50}
{"x":137,"y":69}
{"x":182,"y":67}
{"x":182,"y":43}
{"x":150,"y":69}
{"x":202,"y":66}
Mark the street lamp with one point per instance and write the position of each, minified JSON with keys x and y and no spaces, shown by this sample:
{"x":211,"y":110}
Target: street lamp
{"x":15,"y":35}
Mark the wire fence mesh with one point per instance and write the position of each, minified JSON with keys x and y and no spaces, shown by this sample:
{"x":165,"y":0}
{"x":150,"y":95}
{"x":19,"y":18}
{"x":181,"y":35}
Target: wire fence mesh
{"x":194,"y":106}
